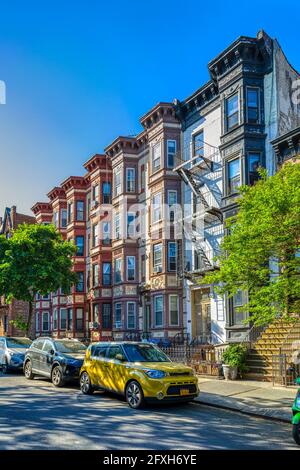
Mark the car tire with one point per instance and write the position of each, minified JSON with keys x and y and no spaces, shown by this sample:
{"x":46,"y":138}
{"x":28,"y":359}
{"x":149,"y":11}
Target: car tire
{"x":296,"y":433}
{"x":57,"y":377}
{"x":86,"y":384}
{"x":134,"y":395}
{"x":28,"y":370}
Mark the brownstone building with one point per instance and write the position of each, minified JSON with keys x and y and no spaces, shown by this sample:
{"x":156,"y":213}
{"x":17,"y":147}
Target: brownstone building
{"x":16,"y":309}
{"x":121,"y":217}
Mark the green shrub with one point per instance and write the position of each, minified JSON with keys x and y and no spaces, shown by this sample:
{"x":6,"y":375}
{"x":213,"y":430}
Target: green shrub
{"x":235,"y":356}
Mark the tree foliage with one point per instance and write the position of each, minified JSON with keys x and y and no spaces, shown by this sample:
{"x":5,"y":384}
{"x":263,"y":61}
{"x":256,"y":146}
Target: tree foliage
{"x":35,"y":260}
{"x":260,"y":253}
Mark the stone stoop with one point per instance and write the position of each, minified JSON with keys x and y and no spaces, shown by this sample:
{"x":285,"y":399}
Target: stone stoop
{"x":271,"y":342}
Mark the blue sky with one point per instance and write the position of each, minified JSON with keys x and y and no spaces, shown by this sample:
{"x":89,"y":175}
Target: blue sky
{"x":78,"y":74}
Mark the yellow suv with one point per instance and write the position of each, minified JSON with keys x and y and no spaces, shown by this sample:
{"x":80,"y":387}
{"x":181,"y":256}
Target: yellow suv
{"x":139,"y":371}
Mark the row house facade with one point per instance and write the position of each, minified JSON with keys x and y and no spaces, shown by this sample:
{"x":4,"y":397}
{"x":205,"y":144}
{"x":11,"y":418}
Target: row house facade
{"x":149,"y":214}
{"x":228,"y":127}
{"x":147,"y":293}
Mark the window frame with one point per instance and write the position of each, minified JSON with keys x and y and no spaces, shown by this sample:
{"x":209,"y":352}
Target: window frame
{"x":230,"y":190}
{"x":80,"y":282}
{"x":156,"y":208}
{"x":170,"y":311}
{"x":157,"y":145}
{"x":168,"y":256}
{"x":62,"y":310}
{"x":95,"y":274}
{"x":80,"y":211}
{"x":133,"y":314}
{"x":257,"y":89}
{"x":198,"y":152}
{"x":130,"y":183}
{"x":172,"y":154}
{"x":64,"y":218}
{"x":120,"y":323}
{"x":134,"y":268}
{"x":120,"y":280}
{"x":154,"y":261}
{"x":227,"y":115}
{"x":155,"y":311}
{"x":81,"y":253}
{"x":105,"y":284}
{"x":105,"y":324}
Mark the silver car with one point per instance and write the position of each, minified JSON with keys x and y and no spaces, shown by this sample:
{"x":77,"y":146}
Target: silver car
{"x":12,"y":352}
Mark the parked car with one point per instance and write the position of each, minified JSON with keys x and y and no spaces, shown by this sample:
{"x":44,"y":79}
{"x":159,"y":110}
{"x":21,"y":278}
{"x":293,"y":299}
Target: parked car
{"x":12,"y":352}
{"x":137,"y":370}
{"x":58,"y":359}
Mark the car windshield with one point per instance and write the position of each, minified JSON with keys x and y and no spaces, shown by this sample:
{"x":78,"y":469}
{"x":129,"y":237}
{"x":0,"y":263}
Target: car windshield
{"x":145,"y":353}
{"x":18,"y":343}
{"x":69,"y":346}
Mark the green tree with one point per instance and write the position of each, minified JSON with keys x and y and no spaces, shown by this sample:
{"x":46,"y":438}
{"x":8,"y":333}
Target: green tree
{"x":260,"y":253}
{"x":34,"y":260}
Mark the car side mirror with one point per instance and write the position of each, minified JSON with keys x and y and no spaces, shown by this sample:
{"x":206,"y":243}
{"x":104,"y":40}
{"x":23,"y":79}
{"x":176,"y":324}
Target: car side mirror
{"x":120,"y":357}
{"x":52,"y":352}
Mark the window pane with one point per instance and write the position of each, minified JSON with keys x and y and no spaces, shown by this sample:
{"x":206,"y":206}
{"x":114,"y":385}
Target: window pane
{"x":198,"y":144}
{"x":80,"y":245}
{"x":118,"y":315}
{"x":171,"y":151}
{"x":106,"y":316}
{"x":253,"y":165}
{"x":233,"y":175}
{"x":80,"y":211}
{"x":118,"y":270}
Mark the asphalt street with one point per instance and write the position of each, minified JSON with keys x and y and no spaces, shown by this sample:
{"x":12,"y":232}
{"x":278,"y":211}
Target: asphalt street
{"x":35,"y":415}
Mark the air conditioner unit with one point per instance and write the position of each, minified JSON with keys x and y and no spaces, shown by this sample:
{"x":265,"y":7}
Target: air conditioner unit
{"x":158,"y":269}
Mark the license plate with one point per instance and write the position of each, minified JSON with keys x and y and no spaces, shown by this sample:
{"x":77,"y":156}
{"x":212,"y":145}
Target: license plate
{"x":184,"y":391}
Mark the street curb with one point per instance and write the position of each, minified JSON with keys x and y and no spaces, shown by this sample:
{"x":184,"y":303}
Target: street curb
{"x":245,"y":412}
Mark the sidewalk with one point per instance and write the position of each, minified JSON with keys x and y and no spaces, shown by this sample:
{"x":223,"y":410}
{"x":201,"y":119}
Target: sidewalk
{"x":247,"y":396}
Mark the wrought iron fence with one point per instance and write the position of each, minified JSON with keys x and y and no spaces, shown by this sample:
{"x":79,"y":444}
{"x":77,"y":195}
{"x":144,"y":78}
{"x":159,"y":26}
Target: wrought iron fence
{"x":284,"y":372}
{"x":202,"y":358}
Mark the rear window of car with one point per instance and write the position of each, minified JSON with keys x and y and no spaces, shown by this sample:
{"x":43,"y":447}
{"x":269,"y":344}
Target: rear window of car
{"x":98,"y":351}
{"x":18,"y":343}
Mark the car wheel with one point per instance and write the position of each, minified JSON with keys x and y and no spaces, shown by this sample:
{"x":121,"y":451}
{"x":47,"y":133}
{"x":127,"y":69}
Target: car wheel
{"x":28,"y":371}
{"x":296,"y":433}
{"x":85,"y":384}
{"x":134,"y":395}
{"x":57,"y":377}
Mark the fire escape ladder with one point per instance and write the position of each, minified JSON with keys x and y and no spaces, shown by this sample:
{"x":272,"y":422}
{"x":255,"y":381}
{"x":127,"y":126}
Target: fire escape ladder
{"x":192,"y":177}
{"x":199,"y":247}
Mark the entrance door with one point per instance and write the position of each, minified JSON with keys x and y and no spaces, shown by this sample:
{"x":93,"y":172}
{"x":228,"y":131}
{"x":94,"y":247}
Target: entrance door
{"x":202,"y":329}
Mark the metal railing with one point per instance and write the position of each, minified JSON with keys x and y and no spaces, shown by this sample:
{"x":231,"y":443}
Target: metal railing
{"x":286,"y":364}
{"x":252,"y":335}
{"x":202,"y":358}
